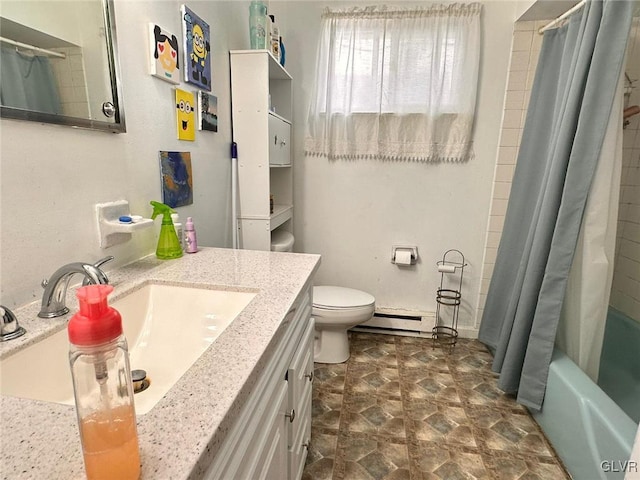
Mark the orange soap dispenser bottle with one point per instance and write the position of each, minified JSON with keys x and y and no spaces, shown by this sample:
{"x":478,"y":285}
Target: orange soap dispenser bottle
{"x":102,"y":387}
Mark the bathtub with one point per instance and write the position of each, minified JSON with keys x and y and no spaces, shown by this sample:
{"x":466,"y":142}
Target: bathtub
{"x":619,"y":373}
{"x":590,"y":433}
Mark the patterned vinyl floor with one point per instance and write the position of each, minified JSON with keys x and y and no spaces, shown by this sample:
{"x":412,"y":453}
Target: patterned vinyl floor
{"x":400,"y":409}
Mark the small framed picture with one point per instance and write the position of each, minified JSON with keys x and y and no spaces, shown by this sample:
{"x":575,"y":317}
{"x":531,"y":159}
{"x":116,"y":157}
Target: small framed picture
{"x":197,"y":59}
{"x":185,"y":115}
{"x":207,"y":112}
{"x":177,"y":178}
{"x":164,"y":55}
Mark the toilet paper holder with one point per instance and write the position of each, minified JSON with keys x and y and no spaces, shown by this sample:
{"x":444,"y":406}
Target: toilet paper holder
{"x":448,"y":297}
{"x":412,"y":249}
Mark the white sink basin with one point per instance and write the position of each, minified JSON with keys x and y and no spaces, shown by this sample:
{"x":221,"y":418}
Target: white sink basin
{"x":167,"y":329}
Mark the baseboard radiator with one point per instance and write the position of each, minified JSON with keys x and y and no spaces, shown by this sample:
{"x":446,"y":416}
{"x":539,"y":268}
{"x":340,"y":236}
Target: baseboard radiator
{"x":399,"y":322}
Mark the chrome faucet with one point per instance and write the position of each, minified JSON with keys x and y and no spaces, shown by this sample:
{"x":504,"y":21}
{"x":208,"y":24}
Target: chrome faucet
{"x":55,"y":289}
{"x":9,"y":328}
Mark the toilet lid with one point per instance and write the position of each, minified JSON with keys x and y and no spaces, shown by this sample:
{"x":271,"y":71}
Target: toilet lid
{"x":281,"y":241}
{"x":340,"y":297}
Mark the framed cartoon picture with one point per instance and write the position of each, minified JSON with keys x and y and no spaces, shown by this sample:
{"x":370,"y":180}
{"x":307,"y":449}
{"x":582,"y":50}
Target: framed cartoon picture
{"x":185,"y":115}
{"x":165,"y":60}
{"x":207,"y":112}
{"x":197,"y":59}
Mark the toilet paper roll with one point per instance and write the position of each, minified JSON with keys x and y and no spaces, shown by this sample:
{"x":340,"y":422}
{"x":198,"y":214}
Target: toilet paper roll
{"x":446,"y":268}
{"x":403,"y":257}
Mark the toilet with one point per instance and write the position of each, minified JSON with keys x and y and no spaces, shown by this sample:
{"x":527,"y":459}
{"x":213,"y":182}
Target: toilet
{"x":281,"y":241}
{"x":335,"y":310}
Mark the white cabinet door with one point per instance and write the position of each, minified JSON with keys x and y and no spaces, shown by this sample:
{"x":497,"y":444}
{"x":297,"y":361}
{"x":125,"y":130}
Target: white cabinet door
{"x":267,"y":460}
{"x":299,"y":447}
{"x":300,"y":377}
{"x":300,"y":373}
{"x":279,"y":141}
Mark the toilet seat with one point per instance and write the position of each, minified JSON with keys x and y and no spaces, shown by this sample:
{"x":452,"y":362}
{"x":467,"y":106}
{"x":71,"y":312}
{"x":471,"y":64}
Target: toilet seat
{"x":341,"y":298}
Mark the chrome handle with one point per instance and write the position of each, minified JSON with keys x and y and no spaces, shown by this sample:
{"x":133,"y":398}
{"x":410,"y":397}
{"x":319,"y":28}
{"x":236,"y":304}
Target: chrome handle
{"x":108,"y":109}
{"x":98,"y":264}
{"x":9,"y":328}
{"x":309,"y":376}
{"x":291,"y":416}
{"x":102,"y":261}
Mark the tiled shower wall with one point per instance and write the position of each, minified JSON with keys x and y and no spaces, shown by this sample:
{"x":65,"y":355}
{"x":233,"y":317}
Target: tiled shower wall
{"x":72,"y":85}
{"x":625,"y":294}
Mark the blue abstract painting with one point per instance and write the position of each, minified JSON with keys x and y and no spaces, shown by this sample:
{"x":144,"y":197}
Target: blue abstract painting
{"x":177,"y":180}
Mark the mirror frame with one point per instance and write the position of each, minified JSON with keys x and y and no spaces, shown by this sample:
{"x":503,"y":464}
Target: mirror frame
{"x":119,"y":125}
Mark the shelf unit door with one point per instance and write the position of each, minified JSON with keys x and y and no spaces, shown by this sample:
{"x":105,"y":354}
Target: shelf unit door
{"x":255,"y":234}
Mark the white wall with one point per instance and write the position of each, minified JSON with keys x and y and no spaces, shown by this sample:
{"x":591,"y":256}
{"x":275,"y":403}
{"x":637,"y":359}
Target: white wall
{"x":352,"y":212}
{"x":52,"y":176}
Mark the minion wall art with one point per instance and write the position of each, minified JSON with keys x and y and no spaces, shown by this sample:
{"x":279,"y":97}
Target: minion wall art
{"x":197,"y":61}
{"x":165,"y":62}
{"x":185,"y":115}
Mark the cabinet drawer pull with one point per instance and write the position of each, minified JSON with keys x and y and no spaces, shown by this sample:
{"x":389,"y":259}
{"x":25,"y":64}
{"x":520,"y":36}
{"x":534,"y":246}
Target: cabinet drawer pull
{"x":291,"y":416}
{"x":307,"y":444}
{"x":283,"y":143}
{"x":309,"y":376}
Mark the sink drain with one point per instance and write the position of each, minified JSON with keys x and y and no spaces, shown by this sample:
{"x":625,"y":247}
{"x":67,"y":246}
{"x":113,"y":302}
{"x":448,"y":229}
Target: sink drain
{"x":140,"y":381}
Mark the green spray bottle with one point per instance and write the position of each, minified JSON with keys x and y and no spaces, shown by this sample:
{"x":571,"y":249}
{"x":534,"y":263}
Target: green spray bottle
{"x":168,"y":243}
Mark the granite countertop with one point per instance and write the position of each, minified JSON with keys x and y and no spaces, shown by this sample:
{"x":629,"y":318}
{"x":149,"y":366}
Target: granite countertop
{"x":181,"y":435}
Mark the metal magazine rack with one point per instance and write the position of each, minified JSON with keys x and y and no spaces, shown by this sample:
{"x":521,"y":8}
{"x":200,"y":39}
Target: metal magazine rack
{"x":448,"y":298}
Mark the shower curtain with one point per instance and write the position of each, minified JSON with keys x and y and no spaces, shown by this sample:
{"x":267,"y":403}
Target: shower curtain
{"x":27,"y":82}
{"x":572,"y":98}
{"x":586,"y":303}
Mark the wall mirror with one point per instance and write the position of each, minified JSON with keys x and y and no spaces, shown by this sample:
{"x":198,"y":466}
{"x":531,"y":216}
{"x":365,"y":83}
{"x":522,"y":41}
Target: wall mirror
{"x":59,"y":63}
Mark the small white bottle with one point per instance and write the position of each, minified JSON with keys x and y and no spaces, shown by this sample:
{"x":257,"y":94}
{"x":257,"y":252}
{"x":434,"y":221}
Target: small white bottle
{"x":274,"y":39}
{"x":178,"y":226}
{"x":190,"y":237}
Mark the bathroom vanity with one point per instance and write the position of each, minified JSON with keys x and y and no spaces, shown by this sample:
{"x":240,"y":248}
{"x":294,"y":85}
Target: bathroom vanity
{"x":242,"y":410}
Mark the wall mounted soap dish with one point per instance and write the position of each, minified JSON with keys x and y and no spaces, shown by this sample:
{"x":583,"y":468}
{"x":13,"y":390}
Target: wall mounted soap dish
{"x":110,"y":229}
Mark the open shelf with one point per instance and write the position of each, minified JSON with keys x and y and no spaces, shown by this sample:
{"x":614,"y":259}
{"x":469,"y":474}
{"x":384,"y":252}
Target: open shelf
{"x":281,"y":213}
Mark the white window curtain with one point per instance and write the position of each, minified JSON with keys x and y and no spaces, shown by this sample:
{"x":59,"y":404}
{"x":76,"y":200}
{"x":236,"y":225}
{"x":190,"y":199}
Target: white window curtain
{"x":396,"y":84}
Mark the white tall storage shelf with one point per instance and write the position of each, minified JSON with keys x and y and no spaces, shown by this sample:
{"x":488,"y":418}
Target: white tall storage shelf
{"x":263,"y":136}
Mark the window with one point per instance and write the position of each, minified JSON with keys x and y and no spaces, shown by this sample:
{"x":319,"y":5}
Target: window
{"x":397,"y":84}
